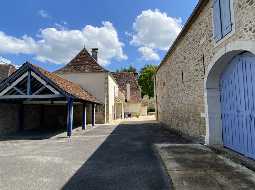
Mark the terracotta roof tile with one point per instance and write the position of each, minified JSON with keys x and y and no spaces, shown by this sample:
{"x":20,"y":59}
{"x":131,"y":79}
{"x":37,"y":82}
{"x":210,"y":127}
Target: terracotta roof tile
{"x":82,"y":63}
{"x":6,"y":70}
{"x":69,"y":87}
{"x":124,"y":78}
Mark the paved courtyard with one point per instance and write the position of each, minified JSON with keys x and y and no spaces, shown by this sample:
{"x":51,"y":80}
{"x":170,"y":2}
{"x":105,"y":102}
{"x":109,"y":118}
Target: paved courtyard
{"x":119,"y":157}
{"x":107,"y":157}
{"x":194,"y":166}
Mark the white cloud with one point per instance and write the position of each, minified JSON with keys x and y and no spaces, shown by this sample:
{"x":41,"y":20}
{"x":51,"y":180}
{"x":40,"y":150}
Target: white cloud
{"x":60,"y":45}
{"x":10,"y":44}
{"x":4,"y":60}
{"x":44,"y":14}
{"x":155,"y":30}
{"x":61,"y":26}
{"x":106,"y":39}
{"x":148,"y":54}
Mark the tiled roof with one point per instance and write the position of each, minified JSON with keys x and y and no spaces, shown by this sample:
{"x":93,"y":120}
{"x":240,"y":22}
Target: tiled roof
{"x":67,"y":86}
{"x":82,"y":63}
{"x":124,"y":78}
{"x":6,"y":70}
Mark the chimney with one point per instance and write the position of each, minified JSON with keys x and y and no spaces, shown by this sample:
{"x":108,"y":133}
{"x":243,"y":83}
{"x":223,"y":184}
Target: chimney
{"x":94,"y":53}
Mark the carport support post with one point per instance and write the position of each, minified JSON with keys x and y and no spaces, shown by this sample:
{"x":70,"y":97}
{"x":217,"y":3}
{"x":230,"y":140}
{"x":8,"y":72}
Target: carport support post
{"x":93,"y":115}
{"x":69,"y":116}
{"x":84,"y":116}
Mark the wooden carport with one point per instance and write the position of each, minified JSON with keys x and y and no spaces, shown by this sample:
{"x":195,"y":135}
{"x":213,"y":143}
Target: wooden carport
{"x":31,"y":83}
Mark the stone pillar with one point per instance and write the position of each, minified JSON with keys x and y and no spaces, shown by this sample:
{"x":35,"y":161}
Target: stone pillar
{"x":93,"y":115}
{"x":69,"y":117}
{"x":84,"y":117}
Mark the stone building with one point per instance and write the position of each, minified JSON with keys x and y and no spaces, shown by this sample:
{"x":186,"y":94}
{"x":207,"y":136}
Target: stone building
{"x":84,"y":70}
{"x":6,"y":70}
{"x":128,"y":85}
{"x":33,"y":98}
{"x":111,"y":97}
{"x":207,"y":74}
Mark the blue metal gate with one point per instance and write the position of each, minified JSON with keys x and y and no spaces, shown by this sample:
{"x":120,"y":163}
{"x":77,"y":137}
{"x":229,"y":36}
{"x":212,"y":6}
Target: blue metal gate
{"x":237,"y":89}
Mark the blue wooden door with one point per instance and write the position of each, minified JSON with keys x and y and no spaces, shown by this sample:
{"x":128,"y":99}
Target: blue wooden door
{"x":237,"y":89}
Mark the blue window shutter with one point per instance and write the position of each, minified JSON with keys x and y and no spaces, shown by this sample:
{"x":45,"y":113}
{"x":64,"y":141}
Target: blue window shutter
{"x":225,"y":17}
{"x":217,"y":20}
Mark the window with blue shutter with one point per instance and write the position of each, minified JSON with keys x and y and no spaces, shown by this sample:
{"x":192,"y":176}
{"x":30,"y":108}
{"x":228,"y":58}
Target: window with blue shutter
{"x":217,"y":20}
{"x":225,"y":17}
{"x":221,"y":18}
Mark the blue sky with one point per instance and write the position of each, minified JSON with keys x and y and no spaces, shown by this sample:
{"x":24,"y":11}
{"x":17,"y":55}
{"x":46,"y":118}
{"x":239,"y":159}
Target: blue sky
{"x":127,"y":32}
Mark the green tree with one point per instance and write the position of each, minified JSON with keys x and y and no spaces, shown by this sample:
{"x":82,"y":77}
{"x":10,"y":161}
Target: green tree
{"x":146,"y":80}
{"x":127,"y":69}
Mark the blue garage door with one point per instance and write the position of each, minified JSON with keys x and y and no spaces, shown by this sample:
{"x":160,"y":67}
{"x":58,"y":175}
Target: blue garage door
{"x":237,"y":88}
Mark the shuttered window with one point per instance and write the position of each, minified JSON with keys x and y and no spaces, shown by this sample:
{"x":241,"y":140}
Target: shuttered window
{"x":217,"y":20}
{"x":221,"y":18}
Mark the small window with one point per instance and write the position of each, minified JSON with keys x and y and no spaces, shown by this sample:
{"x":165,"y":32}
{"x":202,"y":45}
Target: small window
{"x":221,"y":18}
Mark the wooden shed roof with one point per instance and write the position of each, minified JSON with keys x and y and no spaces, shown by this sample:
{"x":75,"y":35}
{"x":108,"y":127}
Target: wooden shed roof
{"x":65,"y":87}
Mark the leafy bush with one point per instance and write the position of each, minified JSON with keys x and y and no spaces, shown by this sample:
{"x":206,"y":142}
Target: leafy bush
{"x":137,"y":115}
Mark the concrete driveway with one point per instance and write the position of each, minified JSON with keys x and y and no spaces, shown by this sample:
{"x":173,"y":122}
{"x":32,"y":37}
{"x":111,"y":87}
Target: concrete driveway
{"x":107,"y":157}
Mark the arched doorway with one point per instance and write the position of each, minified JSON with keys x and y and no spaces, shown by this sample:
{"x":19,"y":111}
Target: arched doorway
{"x":237,"y":92}
{"x":212,"y":92}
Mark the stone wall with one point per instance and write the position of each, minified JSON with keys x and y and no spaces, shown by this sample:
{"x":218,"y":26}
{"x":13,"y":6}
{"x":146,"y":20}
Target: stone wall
{"x":111,"y":93}
{"x":35,"y":116}
{"x":100,"y":114}
{"x":180,"y":80}
{"x":96,"y":84}
{"x":32,"y":116}
{"x":8,"y":118}
{"x":38,"y":117}
{"x":55,"y":116}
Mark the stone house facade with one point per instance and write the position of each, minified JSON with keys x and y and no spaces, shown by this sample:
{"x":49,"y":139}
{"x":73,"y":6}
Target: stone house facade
{"x":84,"y":70}
{"x":187,"y":80}
{"x":108,"y":87}
{"x":128,"y":85}
{"x":6,"y":70}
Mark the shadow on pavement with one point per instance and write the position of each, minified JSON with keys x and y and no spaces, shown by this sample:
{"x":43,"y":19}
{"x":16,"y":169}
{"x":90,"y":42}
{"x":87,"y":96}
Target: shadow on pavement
{"x":126,"y":161}
{"x":34,"y":134}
